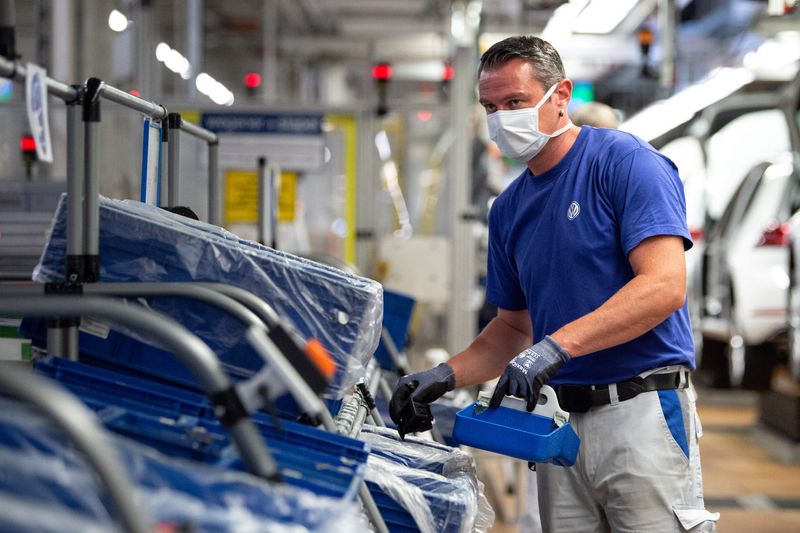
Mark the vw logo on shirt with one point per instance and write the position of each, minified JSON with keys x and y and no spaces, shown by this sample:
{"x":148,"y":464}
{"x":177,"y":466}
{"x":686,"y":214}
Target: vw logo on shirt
{"x":574,"y":210}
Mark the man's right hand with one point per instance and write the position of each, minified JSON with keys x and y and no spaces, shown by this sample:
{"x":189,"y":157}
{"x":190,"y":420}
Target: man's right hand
{"x":422,"y":387}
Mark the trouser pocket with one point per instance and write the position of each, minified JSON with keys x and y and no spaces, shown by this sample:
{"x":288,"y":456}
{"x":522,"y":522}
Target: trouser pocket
{"x":696,"y":519}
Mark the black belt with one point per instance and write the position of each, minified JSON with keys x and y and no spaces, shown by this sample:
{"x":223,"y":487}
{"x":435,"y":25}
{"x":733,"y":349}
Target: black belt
{"x":581,"y":398}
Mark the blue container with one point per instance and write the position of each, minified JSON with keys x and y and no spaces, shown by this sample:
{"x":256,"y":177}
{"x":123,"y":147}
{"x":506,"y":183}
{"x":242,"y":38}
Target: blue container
{"x":181,"y":423}
{"x":397,"y":311}
{"x":515,"y":433}
{"x":143,"y":243}
{"x":43,"y":472}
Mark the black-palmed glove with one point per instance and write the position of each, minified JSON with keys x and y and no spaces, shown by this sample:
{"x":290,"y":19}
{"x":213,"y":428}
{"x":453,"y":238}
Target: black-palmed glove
{"x":527,"y":372}
{"x":422,"y":387}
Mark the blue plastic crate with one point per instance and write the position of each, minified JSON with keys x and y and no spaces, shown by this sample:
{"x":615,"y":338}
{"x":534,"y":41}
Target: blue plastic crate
{"x":144,"y":243}
{"x":397,"y":311}
{"x":515,"y":433}
{"x":181,"y":423}
{"x":445,"y":476}
{"x":41,"y":472}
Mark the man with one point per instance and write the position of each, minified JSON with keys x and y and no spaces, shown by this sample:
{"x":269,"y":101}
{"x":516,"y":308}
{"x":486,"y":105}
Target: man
{"x":586,"y":262}
{"x":596,"y":114}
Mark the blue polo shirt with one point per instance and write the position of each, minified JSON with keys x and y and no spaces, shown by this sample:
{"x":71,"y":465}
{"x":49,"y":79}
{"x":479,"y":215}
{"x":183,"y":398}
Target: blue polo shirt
{"x":559,"y":244}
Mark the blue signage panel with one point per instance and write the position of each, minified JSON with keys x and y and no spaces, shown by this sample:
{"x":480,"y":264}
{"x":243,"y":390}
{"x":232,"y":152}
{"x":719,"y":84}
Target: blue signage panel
{"x":263,"y":123}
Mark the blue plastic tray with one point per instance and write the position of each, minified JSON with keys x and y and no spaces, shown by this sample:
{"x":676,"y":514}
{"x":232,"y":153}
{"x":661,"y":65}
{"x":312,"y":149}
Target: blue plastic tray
{"x":144,"y":243}
{"x":517,"y":434}
{"x":42,"y":471}
{"x":397,"y":311}
{"x":181,"y":423}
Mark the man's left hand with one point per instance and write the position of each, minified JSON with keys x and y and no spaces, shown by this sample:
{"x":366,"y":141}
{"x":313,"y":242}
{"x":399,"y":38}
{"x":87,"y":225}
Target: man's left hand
{"x":527,"y":372}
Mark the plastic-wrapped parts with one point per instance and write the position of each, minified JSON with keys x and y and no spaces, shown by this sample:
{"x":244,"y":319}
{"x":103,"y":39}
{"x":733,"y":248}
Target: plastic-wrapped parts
{"x":46,"y":486}
{"x":425,"y":486}
{"x":182,"y":424}
{"x":140,"y":242}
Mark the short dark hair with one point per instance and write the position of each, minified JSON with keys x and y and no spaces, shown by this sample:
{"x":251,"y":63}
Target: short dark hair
{"x":547,"y":66}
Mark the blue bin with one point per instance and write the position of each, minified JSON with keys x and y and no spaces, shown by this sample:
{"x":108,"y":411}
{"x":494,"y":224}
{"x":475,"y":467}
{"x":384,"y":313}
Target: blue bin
{"x":519,"y":434}
{"x":143,"y":243}
{"x":181,"y":423}
{"x":397,"y":311}
{"x":47,"y":486}
{"x":445,"y":477}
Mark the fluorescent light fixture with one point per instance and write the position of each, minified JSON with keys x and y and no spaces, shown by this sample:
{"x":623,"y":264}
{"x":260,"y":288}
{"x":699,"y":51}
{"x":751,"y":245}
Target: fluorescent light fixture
{"x":174,"y":60}
{"x":602,"y":16}
{"x":117,"y":21}
{"x":162,"y":51}
{"x":664,"y":115}
{"x":210,"y":87}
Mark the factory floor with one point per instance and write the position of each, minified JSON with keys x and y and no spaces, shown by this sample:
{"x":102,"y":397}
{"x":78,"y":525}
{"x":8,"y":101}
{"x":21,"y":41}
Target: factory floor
{"x":751,"y":476}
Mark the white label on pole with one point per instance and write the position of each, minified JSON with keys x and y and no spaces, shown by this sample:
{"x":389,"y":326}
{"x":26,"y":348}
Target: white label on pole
{"x":151,"y":163}
{"x":36,"y":101}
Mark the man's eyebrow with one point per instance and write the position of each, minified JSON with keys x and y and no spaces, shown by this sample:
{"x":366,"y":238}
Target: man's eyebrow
{"x":510,"y":96}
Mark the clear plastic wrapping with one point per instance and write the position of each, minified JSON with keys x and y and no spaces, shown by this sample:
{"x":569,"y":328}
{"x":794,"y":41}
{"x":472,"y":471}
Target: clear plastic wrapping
{"x":140,"y":242}
{"x":437,"y":485}
{"x":45,"y":485}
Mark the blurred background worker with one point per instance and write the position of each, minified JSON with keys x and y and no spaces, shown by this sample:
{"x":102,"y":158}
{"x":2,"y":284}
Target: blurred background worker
{"x":611,"y":334}
{"x":595,"y":114}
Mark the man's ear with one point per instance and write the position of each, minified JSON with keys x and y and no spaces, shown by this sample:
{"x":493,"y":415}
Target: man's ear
{"x":563,"y":93}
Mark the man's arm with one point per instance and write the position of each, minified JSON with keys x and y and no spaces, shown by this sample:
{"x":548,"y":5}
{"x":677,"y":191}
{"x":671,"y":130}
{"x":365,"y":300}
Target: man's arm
{"x":657,"y":290}
{"x":503,"y":338}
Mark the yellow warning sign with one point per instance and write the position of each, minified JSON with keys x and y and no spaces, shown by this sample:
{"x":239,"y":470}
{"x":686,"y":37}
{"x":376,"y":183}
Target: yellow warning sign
{"x":241,"y":196}
{"x":287,"y":196}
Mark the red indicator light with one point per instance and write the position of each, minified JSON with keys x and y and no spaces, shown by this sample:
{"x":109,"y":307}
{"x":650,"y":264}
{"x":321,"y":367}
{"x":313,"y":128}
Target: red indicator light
{"x":135,"y":93}
{"x":27,"y":143}
{"x":252,"y":80}
{"x":382,"y":71}
{"x":448,"y":73}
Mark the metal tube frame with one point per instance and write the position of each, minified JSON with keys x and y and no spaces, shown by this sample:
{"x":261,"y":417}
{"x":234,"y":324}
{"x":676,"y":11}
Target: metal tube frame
{"x":83,"y":428}
{"x":215,"y":193}
{"x":264,"y":231}
{"x":186,"y":346}
{"x":174,"y":159}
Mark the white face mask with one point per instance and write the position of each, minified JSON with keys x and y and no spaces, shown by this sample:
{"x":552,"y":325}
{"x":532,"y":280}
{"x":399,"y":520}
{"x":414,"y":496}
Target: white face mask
{"x":516,"y":132}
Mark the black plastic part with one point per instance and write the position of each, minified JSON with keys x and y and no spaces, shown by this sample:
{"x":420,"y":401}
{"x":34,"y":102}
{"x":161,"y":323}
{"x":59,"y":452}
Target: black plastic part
{"x":296,"y":355}
{"x":8,"y":46}
{"x":63,"y":288}
{"x":368,"y":399}
{"x":79,"y":90}
{"x":61,"y":323}
{"x":531,"y":466}
{"x":91,"y":268}
{"x":415,"y":416}
{"x":174,"y":121}
{"x":74,"y":269}
{"x":262,"y":161}
{"x":91,"y":100}
{"x":228,"y":407}
{"x":164,"y":133}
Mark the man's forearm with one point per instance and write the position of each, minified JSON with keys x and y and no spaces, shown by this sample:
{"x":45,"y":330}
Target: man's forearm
{"x":489,"y":353}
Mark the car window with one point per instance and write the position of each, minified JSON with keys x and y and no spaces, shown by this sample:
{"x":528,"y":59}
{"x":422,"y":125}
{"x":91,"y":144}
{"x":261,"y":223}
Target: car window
{"x":765,"y":203}
{"x":732,"y":216}
{"x":739,"y":146}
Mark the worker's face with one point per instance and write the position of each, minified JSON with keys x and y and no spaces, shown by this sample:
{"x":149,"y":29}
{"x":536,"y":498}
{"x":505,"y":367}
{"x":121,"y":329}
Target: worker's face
{"x":513,"y":86}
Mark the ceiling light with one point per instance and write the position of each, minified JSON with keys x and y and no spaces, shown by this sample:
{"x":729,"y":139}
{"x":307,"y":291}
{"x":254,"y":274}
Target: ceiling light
{"x":117,"y":21}
{"x":602,"y":16}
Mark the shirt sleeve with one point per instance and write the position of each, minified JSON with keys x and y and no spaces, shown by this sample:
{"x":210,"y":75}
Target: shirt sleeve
{"x":648,"y":199}
{"x":502,"y":279}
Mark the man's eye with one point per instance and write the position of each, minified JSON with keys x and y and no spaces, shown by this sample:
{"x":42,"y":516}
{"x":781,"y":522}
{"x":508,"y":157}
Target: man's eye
{"x":514,"y":102}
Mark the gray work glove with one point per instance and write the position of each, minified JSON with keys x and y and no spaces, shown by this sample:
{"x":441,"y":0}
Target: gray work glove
{"x":422,"y":387}
{"x":527,"y":372}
